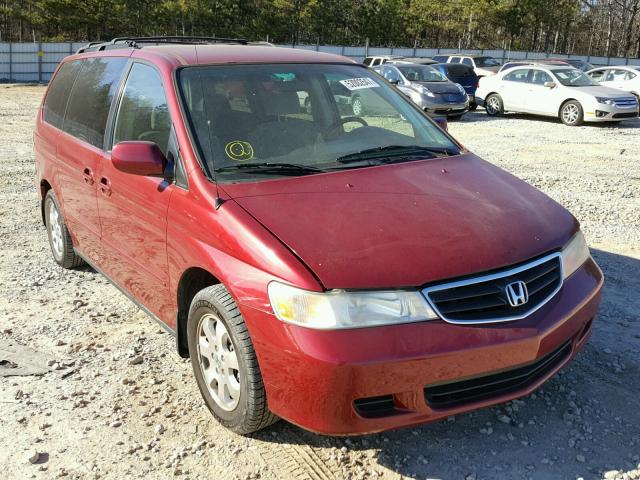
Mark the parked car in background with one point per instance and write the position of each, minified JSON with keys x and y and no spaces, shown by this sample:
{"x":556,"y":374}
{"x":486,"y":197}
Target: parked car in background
{"x":379,"y":60}
{"x":462,"y":75}
{"x":349,"y":102}
{"x":521,"y":63}
{"x":579,"y":64}
{"x":417,"y":60}
{"x":347,"y":274}
{"x":625,"y":78}
{"x":482,"y":64}
{"x":428,"y":88}
{"x":556,"y":91}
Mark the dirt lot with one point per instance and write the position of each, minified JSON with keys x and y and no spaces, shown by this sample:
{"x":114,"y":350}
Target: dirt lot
{"x":101,"y":413}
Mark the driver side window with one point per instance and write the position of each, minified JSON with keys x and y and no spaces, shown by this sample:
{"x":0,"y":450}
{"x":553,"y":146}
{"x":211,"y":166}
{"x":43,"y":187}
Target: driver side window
{"x":143,"y":113}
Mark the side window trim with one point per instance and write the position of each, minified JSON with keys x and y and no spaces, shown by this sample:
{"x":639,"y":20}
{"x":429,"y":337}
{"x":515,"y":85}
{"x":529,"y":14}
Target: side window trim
{"x":113,"y":112}
{"x":113,"y":115}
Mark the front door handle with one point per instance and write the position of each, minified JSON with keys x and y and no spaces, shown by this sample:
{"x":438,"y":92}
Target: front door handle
{"x":87,"y":175}
{"x":105,"y":186}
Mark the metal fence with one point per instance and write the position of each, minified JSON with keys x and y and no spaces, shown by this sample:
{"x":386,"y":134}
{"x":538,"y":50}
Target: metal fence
{"x":36,"y":62}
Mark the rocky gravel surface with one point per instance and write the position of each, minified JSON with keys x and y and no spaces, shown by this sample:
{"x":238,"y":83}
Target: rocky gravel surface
{"x":113,"y":400}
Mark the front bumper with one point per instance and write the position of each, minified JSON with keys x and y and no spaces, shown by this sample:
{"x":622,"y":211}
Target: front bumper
{"x":315,"y":379}
{"x":608,"y":113}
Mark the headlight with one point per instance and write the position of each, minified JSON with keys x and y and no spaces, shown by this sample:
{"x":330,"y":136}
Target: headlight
{"x":461,"y":89}
{"x":424,"y":90}
{"x":574,"y":254}
{"x":605,"y":100}
{"x":341,"y":309}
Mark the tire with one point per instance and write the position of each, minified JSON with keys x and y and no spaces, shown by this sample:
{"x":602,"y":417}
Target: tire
{"x":357,"y":107}
{"x":493,"y":105}
{"x":571,"y":113}
{"x":58,"y":233}
{"x":218,"y":342}
{"x":473,"y":107}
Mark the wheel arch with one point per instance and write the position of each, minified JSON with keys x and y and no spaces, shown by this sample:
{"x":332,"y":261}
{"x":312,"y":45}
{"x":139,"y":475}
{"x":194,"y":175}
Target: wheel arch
{"x":191,"y":282}
{"x":565,"y":101}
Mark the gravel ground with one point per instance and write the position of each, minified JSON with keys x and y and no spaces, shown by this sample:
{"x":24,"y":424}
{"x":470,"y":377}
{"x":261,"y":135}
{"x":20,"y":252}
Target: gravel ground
{"x":116,"y":401}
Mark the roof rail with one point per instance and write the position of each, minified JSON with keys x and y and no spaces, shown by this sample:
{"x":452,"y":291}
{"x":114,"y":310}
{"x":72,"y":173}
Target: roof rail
{"x":137,"y":42}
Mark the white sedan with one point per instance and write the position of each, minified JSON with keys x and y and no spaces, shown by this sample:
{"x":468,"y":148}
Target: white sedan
{"x":625,"y":78}
{"x":555,"y":91}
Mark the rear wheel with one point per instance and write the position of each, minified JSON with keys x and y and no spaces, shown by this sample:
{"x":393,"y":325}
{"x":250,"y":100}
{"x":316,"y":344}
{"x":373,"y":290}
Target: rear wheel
{"x":571,"y":113}
{"x":493,"y":105}
{"x":58,"y":233}
{"x":224,"y":362}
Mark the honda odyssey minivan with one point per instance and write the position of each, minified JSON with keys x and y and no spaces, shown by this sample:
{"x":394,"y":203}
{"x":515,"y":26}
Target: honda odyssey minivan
{"x":347,"y":273}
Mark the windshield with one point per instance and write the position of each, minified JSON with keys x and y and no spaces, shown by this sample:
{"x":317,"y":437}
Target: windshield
{"x":573,"y":78}
{"x":421,"y":73}
{"x":253,"y":122}
{"x":486,"y":62}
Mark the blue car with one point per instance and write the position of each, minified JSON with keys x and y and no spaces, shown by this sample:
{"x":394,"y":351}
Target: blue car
{"x":464,"y":75}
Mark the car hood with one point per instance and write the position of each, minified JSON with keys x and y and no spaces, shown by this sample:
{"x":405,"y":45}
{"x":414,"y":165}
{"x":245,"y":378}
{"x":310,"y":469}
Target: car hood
{"x":407,"y":224}
{"x":601,"y":91}
{"x":439,"y":87}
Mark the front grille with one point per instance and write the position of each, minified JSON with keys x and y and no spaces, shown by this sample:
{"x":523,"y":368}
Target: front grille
{"x":625,"y":115}
{"x":454,"y":394}
{"x":626,"y":102}
{"x":484,"y":299}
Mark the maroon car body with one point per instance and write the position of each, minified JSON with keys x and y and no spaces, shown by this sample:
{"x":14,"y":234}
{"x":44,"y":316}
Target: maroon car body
{"x":406,"y":225}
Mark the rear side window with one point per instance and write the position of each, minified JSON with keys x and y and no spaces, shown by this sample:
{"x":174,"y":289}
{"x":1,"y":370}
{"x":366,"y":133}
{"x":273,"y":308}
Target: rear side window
{"x":143,"y":113}
{"x":367,"y":61}
{"x":91,"y":98}
{"x":58,"y":93}
{"x":467,"y":61}
{"x":517,"y":75}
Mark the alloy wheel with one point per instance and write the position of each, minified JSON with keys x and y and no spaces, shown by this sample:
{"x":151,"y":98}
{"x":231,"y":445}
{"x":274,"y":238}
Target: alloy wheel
{"x":493,"y":105}
{"x":55,"y":230}
{"x":570,"y":113}
{"x":218,"y":361}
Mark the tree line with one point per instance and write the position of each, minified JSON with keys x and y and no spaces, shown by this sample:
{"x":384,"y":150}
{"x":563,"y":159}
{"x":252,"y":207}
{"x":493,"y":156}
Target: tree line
{"x":587,"y":27}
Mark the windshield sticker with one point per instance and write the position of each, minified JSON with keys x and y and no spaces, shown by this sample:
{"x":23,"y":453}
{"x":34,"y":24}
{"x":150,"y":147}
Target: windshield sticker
{"x":359,"y":83}
{"x":239,"y":151}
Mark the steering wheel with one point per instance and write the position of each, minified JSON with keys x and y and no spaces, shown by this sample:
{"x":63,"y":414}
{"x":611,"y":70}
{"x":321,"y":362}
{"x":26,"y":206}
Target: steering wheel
{"x":330,"y":130}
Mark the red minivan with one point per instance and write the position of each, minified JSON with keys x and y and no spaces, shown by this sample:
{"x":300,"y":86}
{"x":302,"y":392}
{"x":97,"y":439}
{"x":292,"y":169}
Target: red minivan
{"x":350,"y":272}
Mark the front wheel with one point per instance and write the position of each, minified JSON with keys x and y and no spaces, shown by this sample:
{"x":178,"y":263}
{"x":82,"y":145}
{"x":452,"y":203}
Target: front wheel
{"x":493,"y":105}
{"x":571,"y":113}
{"x":225,"y":364}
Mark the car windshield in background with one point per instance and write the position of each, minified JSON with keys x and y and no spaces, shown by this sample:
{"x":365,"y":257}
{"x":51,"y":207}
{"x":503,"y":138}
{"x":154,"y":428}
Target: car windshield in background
{"x":573,"y":78}
{"x":253,"y":122}
{"x":486,"y":62}
{"x":421,"y":73}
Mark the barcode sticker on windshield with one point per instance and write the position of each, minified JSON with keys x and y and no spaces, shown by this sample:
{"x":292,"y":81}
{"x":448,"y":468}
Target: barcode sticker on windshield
{"x":359,"y":83}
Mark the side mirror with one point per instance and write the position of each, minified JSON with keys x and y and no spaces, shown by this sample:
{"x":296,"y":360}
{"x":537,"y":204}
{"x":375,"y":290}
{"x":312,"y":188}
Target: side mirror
{"x":395,"y":81}
{"x":139,"y":158}
{"x":550,"y":84}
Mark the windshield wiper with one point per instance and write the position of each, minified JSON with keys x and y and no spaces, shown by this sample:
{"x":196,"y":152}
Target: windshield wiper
{"x":268,"y":168}
{"x":390,"y":151}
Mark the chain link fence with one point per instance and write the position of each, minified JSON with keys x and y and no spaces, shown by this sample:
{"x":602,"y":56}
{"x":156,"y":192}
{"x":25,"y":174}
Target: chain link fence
{"x":36,"y":62}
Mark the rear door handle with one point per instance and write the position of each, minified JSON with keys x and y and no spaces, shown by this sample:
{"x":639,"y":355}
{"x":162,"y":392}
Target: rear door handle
{"x":87,"y":175}
{"x":105,"y":186}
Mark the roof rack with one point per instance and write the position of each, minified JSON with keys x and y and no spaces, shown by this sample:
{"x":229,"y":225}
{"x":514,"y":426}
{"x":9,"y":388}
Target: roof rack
{"x":137,"y":42}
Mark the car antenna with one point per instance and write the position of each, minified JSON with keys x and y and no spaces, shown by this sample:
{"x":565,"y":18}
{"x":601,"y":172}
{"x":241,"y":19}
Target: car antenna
{"x":217,"y":203}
